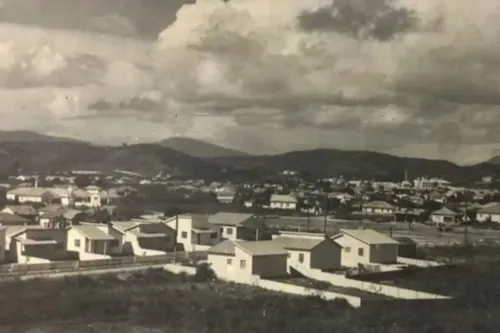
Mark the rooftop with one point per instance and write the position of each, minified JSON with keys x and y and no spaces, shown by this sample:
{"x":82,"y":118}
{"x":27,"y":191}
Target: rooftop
{"x":92,"y":232}
{"x":367,"y":236}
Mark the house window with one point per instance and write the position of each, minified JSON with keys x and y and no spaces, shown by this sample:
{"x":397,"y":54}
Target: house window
{"x":229,"y":261}
{"x":361,"y":252}
{"x":213,"y":235}
{"x":243,"y":264}
{"x":301,"y":258}
{"x":348,"y":249}
{"x":184,"y":234}
{"x":77,"y":243}
{"x":229,"y":231}
{"x":59,"y":246}
{"x":114,"y":243}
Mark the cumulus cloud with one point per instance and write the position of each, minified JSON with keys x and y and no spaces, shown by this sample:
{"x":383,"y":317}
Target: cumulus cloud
{"x":406,"y":71}
{"x":401,"y":76}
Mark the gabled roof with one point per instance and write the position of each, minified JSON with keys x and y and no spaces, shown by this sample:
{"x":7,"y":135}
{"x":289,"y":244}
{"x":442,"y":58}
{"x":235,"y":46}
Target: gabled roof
{"x":224,"y":248}
{"x":261,"y":248}
{"x":492,"y":208}
{"x":283,"y":198}
{"x":12,"y":219}
{"x":299,"y":243}
{"x":367,"y":236}
{"x":22,"y":209}
{"x":445,"y":211}
{"x":233,"y":219}
{"x":29,"y":191}
{"x":92,"y":232}
{"x":378,"y":204}
{"x":200,"y":222}
{"x":16,"y":230}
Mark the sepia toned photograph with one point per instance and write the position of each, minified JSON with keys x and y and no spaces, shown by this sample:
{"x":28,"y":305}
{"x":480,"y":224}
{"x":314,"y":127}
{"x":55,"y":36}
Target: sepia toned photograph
{"x":249,"y":166}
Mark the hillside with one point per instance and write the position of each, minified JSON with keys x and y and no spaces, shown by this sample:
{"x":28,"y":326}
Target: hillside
{"x":146,"y":159}
{"x":361,"y":164}
{"x":494,"y":160}
{"x":27,"y":136}
{"x":198,"y":148}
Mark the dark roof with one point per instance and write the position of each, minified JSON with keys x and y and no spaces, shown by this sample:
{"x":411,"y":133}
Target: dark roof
{"x":235,"y":219}
{"x":405,"y":240}
{"x":22,"y":209}
{"x":200,"y":222}
{"x":300,"y":243}
{"x":445,"y":211}
{"x":225,"y":248}
{"x":12,"y":219}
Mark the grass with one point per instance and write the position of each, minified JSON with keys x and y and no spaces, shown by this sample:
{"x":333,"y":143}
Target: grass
{"x":158,"y":301}
{"x":321,"y":285}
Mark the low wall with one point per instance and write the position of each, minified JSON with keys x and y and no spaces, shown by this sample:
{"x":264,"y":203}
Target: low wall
{"x":376,"y":288}
{"x":304,"y":291}
{"x":419,"y":262}
{"x":97,"y":264}
{"x":177,"y":269}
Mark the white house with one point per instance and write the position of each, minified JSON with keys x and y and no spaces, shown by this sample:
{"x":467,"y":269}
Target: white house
{"x":445,"y":215}
{"x":194,"y":231}
{"x":490,"y":212}
{"x":365,"y":246}
{"x":93,"y":241}
{"x":32,"y":244}
{"x":241,"y":260}
{"x":237,"y":226}
{"x":283,"y":201}
{"x":144,"y":238}
{"x":310,"y":250}
{"x":29,"y":195}
{"x":378,"y":207}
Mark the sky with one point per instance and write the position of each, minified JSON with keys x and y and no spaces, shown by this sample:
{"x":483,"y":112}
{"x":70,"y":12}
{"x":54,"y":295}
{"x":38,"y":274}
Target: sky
{"x":417,"y":78}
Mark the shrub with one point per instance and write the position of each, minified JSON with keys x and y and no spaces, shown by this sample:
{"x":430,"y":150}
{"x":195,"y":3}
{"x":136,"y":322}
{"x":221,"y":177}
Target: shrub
{"x":204,"y":273}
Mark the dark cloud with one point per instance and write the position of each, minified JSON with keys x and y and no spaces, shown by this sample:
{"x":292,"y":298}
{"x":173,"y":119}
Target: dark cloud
{"x":146,"y":18}
{"x":377,"y":19}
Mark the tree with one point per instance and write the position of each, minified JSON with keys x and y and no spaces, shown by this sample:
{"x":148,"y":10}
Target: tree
{"x":82,"y":181}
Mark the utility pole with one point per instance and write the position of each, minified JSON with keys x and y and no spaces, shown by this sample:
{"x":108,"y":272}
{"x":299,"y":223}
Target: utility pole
{"x":176,"y":233}
{"x":466,"y":235}
{"x":325,"y":216}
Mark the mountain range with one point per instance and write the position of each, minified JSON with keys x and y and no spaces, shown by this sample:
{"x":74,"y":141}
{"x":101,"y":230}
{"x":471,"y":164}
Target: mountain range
{"x":197,"y":159}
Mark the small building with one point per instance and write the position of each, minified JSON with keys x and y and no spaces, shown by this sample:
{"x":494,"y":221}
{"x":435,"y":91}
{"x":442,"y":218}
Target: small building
{"x":310,"y":250}
{"x":407,"y":247}
{"x":34,"y":245}
{"x":489,"y":213}
{"x":25,"y":211}
{"x":242,"y":260}
{"x":29,"y":195}
{"x":445,"y":215}
{"x":366,"y":246}
{"x":144,"y":238}
{"x":195,"y":231}
{"x":92,"y":241}
{"x":378,"y":207}
{"x":7,"y":219}
{"x":238,"y":226}
{"x":283,"y":201}
{"x":226,"y":197}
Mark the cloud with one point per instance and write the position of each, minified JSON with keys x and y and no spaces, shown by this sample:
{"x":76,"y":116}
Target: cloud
{"x":401,"y":76}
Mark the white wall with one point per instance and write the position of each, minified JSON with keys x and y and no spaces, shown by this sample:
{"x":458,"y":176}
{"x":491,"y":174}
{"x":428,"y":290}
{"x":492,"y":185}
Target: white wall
{"x":350,"y":256}
{"x":484,"y":217}
{"x":283,"y":205}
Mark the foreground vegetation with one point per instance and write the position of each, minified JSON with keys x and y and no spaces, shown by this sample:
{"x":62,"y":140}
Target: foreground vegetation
{"x":158,"y":301}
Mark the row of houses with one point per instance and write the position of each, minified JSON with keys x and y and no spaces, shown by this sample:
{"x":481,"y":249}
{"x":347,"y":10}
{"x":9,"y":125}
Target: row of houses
{"x":280,"y":256}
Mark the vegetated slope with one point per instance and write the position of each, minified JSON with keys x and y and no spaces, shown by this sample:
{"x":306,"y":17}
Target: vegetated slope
{"x":198,"y":148}
{"x":27,"y":136}
{"x":494,"y":160}
{"x":361,"y":164}
{"x":146,"y":159}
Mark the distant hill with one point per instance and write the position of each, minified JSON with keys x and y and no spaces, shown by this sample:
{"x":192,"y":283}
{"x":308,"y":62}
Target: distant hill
{"x":150,"y":159}
{"x":147,"y":159}
{"x":26,"y":136}
{"x":494,"y":160}
{"x":198,"y":148}
{"x":362,"y":165}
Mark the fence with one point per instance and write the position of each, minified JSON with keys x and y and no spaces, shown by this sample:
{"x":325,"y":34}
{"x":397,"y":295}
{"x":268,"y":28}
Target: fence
{"x":376,"y":288}
{"x":100,"y":264}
